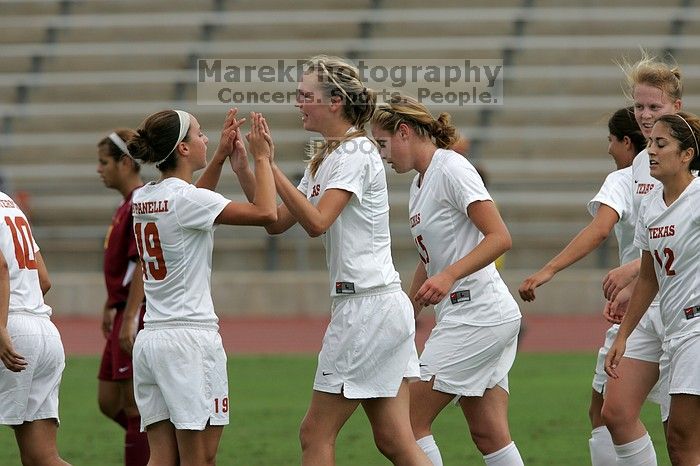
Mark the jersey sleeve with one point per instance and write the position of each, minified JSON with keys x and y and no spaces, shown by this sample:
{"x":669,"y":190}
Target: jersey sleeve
{"x":350,"y":170}
{"x":641,"y":236}
{"x":304,"y":182}
{"x":463,"y":185}
{"x":616,"y":193}
{"x":197,"y":208}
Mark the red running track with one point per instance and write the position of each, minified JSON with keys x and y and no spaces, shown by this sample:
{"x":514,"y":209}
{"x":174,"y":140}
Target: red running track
{"x":268,"y":335}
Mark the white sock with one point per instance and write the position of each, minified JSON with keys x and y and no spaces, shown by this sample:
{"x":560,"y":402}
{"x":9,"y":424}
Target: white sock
{"x":639,"y":452}
{"x":506,"y":456}
{"x":431,"y":450}
{"x":602,"y":448}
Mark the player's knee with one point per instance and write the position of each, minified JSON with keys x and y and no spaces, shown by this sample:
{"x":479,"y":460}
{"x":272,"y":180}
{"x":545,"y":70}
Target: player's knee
{"x":38,"y":456}
{"x":388,"y":443}
{"x":677,"y":443}
{"x":489,"y":439}
{"x":308,"y":433}
{"x":616,"y":415}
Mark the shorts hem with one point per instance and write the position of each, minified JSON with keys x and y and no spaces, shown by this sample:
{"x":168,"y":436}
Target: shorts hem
{"x":642,"y":358}
{"x":200,"y":426}
{"x":354,"y":394}
{"x":20,"y":421}
{"x":684,"y":391}
{"x":145,"y":422}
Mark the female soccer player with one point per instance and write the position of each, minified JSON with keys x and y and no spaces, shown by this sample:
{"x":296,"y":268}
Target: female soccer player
{"x":459,"y":234}
{"x":656,"y":89}
{"x":668,"y":231}
{"x":124,"y":308}
{"x":180,"y":380}
{"x":30,"y":345}
{"x":368,"y":350}
{"x":612,"y":209}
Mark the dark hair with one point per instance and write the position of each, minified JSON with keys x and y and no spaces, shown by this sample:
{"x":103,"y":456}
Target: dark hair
{"x":685,"y":128}
{"x":112,"y":150}
{"x":622,"y":123}
{"x":337,"y":78}
{"x":405,"y":109}
{"x":155,"y":138}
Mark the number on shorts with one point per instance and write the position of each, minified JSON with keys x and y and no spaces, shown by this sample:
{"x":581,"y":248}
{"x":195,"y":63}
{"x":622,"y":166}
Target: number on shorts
{"x":419,"y":243}
{"x":149,"y":238}
{"x":668,"y":252}
{"x":224,"y":405}
{"x":24,"y":250}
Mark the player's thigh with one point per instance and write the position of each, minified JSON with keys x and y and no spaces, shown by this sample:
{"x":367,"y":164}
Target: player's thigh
{"x":37,"y":439}
{"x":109,"y":397}
{"x":390,"y":416}
{"x":426,"y":403}
{"x":327,"y":414}
{"x":198,"y":447}
{"x":163,"y":444}
{"x":488,"y":413}
{"x":629,"y":391}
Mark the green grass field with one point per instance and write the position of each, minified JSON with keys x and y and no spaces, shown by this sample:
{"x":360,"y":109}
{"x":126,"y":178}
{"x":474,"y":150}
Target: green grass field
{"x":269,"y":395}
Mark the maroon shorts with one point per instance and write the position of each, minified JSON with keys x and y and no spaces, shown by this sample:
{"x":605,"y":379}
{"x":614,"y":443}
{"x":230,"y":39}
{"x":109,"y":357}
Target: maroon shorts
{"x":116,"y":364}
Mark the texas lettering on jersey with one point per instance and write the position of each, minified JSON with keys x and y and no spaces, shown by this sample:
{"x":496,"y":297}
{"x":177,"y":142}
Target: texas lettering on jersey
{"x":150,"y":207}
{"x":414,"y":220}
{"x":644,"y":188}
{"x":662,"y":232}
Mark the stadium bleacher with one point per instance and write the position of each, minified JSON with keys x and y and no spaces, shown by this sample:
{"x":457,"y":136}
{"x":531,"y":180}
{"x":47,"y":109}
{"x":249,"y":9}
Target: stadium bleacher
{"x":71,"y":70}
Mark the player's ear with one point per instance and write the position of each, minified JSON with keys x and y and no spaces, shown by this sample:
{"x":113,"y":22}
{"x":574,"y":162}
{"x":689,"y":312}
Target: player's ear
{"x":404,"y":130}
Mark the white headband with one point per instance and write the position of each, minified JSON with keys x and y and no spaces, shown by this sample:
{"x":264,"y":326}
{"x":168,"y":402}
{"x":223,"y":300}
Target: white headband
{"x":692,"y":133}
{"x":119,"y":142}
{"x":184,"y":127}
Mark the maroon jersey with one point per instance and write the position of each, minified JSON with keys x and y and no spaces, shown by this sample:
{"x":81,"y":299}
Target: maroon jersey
{"x":120,"y":250}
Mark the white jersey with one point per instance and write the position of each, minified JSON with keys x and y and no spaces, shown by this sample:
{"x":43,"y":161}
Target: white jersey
{"x":358,"y":243}
{"x":643,"y":184}
{"x":672,"y":234}
{"x":174,"y":227}
{"x":19,"y":248}
{"x":616,"y":193}
{"x":444,"y":234}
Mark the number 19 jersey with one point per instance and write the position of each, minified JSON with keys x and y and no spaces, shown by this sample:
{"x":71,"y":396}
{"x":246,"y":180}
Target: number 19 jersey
{"x":672,"y":235}
{"x":444,"y":234}
{"x":174,"y":228}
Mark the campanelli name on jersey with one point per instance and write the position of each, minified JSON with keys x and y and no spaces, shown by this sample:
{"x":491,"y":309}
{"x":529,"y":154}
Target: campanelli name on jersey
{"x":150,"y":207}
{"x":662,"y":232}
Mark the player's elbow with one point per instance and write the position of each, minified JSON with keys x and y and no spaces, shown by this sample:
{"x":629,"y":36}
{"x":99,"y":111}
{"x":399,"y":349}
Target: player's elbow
{"x":505,"y":242}
{"x":44,"y":284}
{"x":268,"y":216}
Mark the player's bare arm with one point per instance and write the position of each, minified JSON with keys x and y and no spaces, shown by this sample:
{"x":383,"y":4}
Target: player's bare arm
{"x":496,"y":241}
{"x":44,"y":281}
{"x":580,"y":246}
{"x":227,"y":145}
{"x":419,"y":277}
{"x":127,"y":332}
{"x":262,"y":210}
{"x":619,"y":278}
{"x":10,"y":358}
{"x":643,"y":294}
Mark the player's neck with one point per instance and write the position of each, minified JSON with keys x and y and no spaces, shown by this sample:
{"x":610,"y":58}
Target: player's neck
{"x":129,"y":185}
{"x":674,"y":187}
{"x":424,"y":150}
